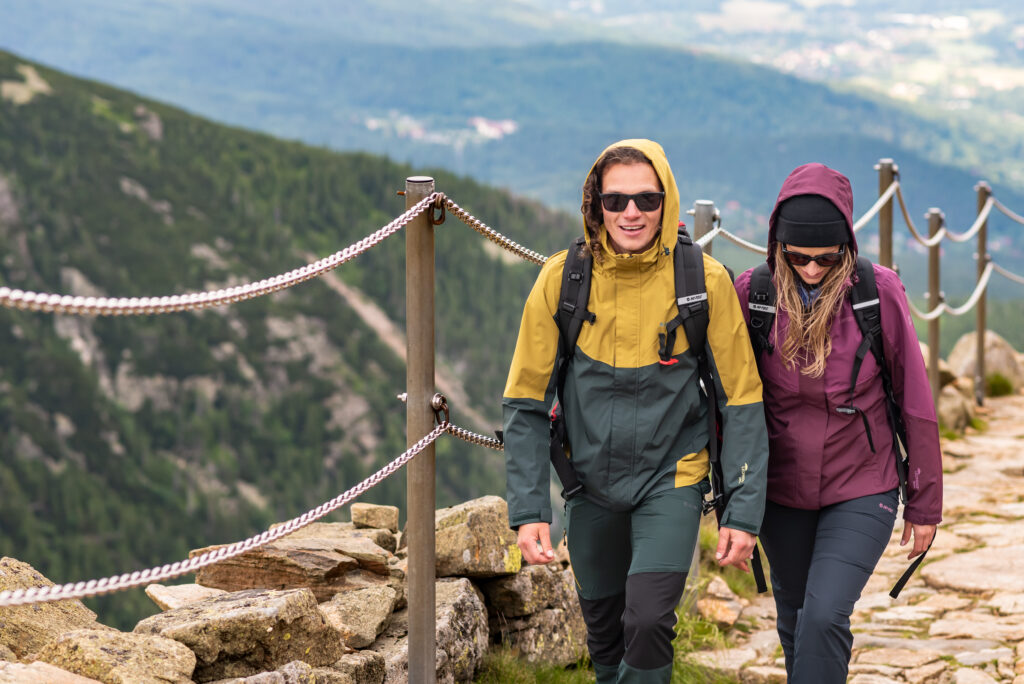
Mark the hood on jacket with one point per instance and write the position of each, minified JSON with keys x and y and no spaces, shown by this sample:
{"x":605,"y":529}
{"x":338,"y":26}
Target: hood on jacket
{"x":670,"y":207}
{"x":814,"y":179}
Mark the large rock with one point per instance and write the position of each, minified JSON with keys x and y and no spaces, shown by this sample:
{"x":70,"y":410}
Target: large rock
{"x":117,"y":658}
{"x":326,"y":559}
{"x":719,"y":604}
{"x":536,"y":613}
{"x":955,"y":411}
{"x":37,"y":672}
{"x":987,"y":569}
{"x":24,"y":630}
{"x":361,"y":615}
{"x":248,"y":632}
{"x":532,"y":589}
{"x":361,"y":667}
{"x":554,"y":636}
{"x":178,"y":595}
{"x":1000,"y":358}
{"x":378,"y":517}
{"x":461,"y":636}
{"x":473,"y":540}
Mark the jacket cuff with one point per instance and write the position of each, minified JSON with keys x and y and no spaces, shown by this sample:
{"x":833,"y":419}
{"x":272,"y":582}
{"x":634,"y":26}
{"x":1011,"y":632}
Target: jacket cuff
{"x":517,"y":519}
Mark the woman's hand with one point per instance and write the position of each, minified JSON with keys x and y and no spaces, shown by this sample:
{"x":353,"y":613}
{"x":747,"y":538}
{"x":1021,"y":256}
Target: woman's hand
{"x":923,"y":535}
{"x":535,"y":543}
{"x":735,"y":547}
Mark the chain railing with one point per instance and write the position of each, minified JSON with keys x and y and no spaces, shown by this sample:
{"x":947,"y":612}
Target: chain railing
{"x":127,"y":306}
{"x":107,"y":585}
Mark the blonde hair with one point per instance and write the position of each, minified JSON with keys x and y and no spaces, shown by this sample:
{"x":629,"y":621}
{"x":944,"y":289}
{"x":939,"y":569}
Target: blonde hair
{"x":808,"y":343}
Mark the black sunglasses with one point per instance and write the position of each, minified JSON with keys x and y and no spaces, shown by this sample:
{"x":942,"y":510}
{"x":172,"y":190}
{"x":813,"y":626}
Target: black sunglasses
{"x":645,"y":201}
{"x":825,"y":260}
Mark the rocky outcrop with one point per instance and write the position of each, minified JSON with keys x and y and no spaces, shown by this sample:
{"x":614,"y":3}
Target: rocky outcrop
{"x":117,"y":658}
{"x":1000,"y":358}
{"x":37,"y":672}
{"x":461,"y":635}
{"x":473,"y":540}
{"x":248,"y":632}
{"x":535,"y":613}
{"x":24,"y":630}
{"x":327,"y":559}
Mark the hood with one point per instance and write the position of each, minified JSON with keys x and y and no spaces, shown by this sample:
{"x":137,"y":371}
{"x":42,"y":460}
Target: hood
{"x":670,"y":209}
{"x":814,"y":179}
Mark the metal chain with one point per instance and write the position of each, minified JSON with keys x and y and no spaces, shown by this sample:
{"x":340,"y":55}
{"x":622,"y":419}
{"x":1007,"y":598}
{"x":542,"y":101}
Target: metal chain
{"x":79,"y":590}
{"x":476,"y":438}
{"x":121,"y":306}
{"x":493,"y":235}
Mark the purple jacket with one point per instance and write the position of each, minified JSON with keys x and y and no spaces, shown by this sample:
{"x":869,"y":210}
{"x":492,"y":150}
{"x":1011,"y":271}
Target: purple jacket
{"x":818,"y":456}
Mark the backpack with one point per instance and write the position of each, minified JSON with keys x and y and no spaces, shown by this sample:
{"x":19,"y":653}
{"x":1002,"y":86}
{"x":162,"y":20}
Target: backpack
{"x":692,"y":316}
{"x":867,"y":312}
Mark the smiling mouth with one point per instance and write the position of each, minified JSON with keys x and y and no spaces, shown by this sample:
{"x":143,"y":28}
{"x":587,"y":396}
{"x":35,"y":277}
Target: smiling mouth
{"x":631,"y":229}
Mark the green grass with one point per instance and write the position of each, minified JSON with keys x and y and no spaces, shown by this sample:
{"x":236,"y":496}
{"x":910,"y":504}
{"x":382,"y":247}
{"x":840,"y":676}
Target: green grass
{"x":998,"y":385}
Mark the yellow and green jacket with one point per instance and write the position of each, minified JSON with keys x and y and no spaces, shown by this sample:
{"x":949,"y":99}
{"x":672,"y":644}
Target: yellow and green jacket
{"x":636,"y":427}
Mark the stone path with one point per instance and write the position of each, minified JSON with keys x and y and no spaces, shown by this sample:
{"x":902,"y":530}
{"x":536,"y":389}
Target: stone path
{"x":960,"y":619}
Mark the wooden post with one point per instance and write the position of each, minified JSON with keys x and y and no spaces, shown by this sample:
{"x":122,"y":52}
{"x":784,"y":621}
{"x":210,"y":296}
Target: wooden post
{"x":704,"y":215}
{"x":984,"y":190}
{"x":935,"y":218}
{"x":420,"y":482}
{"x":886,"y":175}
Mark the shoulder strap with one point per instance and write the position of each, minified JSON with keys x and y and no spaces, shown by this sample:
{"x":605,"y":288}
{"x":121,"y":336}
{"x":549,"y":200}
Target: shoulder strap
{"x":572,"y":303}
{"x":761,"y":306}
{"x":691,"y":300}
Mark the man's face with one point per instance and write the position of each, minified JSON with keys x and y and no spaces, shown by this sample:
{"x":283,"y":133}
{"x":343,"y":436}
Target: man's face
{"x":631,"y":231}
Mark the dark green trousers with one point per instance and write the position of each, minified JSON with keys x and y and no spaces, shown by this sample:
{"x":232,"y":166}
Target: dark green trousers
{"x":630,"y":569}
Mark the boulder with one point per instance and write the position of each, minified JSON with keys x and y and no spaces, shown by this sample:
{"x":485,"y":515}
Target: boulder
{"x":248,"y":632}
{"x":376,"y":517}
{"x":295,"y":672}
{"x":16,"y":673}
{"x":24,"y":630}
{"x":338,"y":560}
{"x":535,"y":613}
{"x":719,"y":604}
{"x":554,"y":636}
{"x":361,"y":667}
{"x":954,"y":410}
{"x":360,"y":615}
{"x":117,"y":658}
{"x":7,"y":654}
{"x":473,"y":540}
{"x":532,"y":589}
{"x":1000,"y":358}
{"x":178,"y":595}
{"x":461,"y":637}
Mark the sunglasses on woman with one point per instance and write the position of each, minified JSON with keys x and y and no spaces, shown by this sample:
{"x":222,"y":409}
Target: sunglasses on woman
{"x":824,"y":260}
{"x":645,"y":201}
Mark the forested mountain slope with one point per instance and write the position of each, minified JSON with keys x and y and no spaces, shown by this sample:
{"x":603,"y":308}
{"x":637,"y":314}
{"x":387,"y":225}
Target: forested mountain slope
{"x":124,"y":442}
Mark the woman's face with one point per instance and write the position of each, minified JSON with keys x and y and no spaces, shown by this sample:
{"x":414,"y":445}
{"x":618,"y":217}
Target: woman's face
{"x":631,"y":231}
{"x":812,"y":272}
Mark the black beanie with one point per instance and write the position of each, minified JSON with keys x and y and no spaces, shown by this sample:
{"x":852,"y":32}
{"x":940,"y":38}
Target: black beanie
{"x":810,"y":221}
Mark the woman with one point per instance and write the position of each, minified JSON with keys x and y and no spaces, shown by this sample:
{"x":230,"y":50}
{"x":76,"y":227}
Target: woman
{"x":636,"y":423}
{"x":832,"y":475}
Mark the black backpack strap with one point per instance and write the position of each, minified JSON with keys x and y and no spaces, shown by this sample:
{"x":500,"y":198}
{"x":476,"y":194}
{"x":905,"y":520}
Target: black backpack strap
{"x":761,"y":306}
{"x":694,"y":317}
{"x":867,"y":310}
{"x":571,"y":313}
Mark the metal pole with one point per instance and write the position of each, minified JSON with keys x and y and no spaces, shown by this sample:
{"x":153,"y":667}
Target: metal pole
{"x":886,"y":175}
{"x":419,"y":374}
{"x":935,"y":218}
{"x":704,"y":216}
{"x":984,"y":191}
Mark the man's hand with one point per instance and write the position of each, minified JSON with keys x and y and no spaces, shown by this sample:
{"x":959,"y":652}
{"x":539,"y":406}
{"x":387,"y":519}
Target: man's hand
{"x":734,"y":547}
{"x":923,"y":535}
{"x":535,"y":543}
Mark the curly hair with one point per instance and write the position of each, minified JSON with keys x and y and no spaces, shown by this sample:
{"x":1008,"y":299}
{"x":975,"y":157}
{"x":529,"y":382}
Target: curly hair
{"x":807,"y":342}
{"x":593,"y":217}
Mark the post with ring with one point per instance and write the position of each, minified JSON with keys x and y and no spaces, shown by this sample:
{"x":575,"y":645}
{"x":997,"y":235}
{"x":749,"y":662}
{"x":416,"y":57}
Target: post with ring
{"x":420,"y":482}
